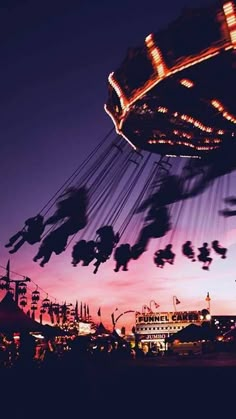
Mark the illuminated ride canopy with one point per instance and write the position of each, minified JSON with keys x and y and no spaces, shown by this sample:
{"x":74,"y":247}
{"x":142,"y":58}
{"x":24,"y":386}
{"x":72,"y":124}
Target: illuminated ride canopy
{"x":174,"y":95}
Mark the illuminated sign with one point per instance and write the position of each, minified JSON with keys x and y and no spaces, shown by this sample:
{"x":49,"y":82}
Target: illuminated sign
{"x":168,"y":317}
{"x":84,"y":328}
{"x":154,"y":336}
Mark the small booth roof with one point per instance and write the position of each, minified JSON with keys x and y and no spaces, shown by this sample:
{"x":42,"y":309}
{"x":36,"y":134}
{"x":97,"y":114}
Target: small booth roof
{"x":101,"y":330}
{"x":193,"y":333}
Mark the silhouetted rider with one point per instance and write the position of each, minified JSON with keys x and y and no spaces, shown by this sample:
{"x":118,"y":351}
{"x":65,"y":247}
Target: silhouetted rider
{"x":187,"y":250}
{"x":204,"y":256}
{"x":219,"y":249}
{"x":31,"y":233}
{"x":105,"y":244}
{"x":74,"y":204}
{"x":122,"y":256}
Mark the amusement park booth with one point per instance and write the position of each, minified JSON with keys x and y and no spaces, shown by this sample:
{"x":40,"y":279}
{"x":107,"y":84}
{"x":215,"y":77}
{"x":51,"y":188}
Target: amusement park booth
{"x":152,"y":330}
{"x":192,"y":340}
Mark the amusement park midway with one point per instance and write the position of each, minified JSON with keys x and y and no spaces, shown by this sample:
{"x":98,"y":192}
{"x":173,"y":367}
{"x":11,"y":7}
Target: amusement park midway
{"x":61,"y":62}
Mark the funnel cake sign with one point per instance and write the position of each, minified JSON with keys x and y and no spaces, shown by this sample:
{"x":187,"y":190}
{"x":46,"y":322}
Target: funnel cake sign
{"x":168,"y":317}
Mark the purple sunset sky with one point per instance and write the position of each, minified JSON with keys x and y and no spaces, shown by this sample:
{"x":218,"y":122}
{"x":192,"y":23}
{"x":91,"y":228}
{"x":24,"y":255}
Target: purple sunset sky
{"x":55,"y":60}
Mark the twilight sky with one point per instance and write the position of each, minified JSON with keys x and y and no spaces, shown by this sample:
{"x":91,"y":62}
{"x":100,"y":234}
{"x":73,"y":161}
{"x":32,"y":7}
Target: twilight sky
{"x":55,"y":60}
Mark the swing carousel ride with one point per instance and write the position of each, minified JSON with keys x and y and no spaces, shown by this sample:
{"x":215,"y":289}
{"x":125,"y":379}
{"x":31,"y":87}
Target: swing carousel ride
{"x":174,"y":114}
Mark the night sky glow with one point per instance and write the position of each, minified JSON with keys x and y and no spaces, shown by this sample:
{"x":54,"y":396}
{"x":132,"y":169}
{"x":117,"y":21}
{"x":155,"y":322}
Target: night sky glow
{"x":55,"y":60}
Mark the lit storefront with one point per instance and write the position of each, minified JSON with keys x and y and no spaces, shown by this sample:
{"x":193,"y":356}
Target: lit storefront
{"x":152,"y":329}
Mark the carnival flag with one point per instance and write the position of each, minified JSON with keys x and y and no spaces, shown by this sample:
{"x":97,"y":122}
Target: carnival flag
{"x":157,"y":305}
{"x":177,"y":301}
{"x":208,"y":297}
{"x":99,"y":312}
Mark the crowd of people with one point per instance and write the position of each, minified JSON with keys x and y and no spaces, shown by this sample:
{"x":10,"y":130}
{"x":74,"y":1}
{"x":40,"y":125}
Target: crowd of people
{"x":27,"y":350}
